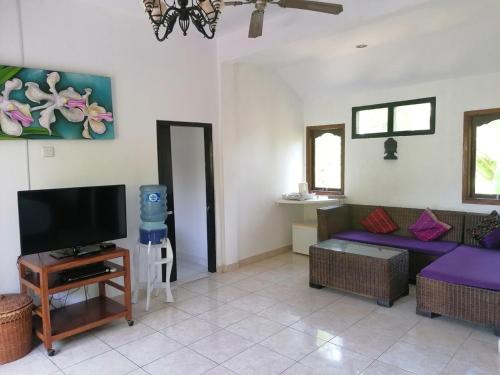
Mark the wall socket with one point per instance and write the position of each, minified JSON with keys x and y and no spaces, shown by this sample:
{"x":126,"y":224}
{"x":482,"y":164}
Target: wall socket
{"x":48,"y":151}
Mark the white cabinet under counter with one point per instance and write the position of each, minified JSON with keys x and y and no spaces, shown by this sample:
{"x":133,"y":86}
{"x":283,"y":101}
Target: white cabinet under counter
{"x":305,"y":232}
{"x":304,"y":235}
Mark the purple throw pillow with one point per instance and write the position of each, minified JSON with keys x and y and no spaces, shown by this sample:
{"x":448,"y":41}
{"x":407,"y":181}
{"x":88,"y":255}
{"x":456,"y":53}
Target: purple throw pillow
{"x":486,"y":226}
{"x":428,"y":227}
{"x":491,"y":240}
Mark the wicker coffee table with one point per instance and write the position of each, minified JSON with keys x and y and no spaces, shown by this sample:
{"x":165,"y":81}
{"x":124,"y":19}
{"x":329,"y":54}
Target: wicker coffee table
{"x":370,"y":270}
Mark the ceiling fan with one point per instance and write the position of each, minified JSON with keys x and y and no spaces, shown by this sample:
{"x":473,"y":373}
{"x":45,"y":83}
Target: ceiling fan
{"x":257,"y":19}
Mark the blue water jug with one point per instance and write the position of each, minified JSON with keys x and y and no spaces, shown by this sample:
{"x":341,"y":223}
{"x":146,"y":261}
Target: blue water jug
{"x":153,"y":203}
{"x":153,"y":213}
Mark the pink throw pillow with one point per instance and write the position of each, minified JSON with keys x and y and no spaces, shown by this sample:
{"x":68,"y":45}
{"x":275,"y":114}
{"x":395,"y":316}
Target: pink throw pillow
{"x":428,"y":227}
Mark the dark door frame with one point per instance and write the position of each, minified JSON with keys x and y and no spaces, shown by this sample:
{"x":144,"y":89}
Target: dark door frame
{"x":163,"y":137}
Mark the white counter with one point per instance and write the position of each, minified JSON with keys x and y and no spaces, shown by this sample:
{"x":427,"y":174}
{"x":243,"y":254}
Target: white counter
{"x":317,"y":200}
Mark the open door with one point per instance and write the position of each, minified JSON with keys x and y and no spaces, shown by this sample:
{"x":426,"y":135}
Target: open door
{"x":166,"y":177}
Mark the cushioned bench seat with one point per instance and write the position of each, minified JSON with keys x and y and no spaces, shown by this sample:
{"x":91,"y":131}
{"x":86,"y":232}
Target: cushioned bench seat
{"x":469,"y":266}
{"x":434,"y":248}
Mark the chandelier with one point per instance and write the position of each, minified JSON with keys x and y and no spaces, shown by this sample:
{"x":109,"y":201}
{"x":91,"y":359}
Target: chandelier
{"x":203,"y":14}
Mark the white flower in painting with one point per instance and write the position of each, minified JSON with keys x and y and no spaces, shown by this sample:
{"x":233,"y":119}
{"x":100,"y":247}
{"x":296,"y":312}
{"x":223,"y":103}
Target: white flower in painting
{"x":95,"y":117}
{"x":13,"y":115}
{"x":68,"y":102}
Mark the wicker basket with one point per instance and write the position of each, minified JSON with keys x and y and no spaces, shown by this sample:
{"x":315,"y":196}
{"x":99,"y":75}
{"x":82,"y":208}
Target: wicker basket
{"x":15,"y":326}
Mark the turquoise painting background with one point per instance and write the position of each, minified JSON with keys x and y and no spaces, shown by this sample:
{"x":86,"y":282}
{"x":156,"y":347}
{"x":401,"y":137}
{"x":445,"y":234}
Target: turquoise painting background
{"x":62,"y":128}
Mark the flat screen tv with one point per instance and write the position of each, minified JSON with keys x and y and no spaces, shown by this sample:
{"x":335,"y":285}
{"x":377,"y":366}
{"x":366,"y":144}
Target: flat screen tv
{"x":56,"y":219}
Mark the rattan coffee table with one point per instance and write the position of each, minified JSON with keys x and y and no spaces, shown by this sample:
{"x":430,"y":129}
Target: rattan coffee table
{"x":370,"y":270}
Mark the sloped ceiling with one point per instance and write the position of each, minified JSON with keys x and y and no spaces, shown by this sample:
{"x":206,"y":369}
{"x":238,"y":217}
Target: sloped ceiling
{"x":418,"y":41}
{"x":283,"y":27}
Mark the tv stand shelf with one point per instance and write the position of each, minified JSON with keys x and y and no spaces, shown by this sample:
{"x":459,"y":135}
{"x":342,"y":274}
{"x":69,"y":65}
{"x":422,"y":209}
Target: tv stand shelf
{"x":39,"y":273}
{"x":55,"y":285}
{"x":81,"y":316}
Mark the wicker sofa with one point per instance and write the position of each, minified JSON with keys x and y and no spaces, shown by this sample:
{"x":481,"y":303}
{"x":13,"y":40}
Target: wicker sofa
{"x":344,"y":223}
{"x":464,"y":284}
{"x":454,"y":276}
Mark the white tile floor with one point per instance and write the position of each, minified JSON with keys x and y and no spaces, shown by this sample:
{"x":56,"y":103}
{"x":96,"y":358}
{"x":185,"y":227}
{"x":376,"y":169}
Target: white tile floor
{"x":264,"y":319}
{"x":189,"y":271}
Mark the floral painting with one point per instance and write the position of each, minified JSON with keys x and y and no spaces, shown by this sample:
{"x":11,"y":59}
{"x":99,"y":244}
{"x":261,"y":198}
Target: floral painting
{"x":46,"y":104}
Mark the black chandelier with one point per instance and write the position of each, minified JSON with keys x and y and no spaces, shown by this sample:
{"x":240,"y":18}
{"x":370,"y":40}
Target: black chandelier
{"x":204,"y":15}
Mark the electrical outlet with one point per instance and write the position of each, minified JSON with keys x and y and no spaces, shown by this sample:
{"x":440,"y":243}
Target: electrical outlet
{"x":48,"y":151}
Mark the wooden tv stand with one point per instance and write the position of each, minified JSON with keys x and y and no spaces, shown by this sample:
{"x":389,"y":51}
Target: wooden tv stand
{"x":39,"y":273}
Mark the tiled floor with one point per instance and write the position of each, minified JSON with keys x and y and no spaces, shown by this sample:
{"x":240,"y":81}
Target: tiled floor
{"x":188,"y":271}
{"x":264,"y":319}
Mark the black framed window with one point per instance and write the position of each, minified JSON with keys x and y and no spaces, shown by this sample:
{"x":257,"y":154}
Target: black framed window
{"x":410,"y":117}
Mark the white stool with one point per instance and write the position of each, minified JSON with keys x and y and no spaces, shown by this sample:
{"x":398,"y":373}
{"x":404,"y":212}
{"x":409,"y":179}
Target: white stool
{"x":154,"y":263}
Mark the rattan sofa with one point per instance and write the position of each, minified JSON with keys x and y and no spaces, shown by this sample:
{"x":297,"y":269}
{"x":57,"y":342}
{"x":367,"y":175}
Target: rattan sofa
{"x":344,"y":223}
{"x":462,"y":283}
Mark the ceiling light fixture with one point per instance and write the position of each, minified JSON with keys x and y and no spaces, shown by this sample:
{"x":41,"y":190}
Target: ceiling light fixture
{"x":204,"y":15}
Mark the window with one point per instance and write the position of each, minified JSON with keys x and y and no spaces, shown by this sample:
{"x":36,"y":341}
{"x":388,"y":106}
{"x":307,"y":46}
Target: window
{"x":325,"y":159}
{"x":411,"y":117}
{"x":481,"y":164}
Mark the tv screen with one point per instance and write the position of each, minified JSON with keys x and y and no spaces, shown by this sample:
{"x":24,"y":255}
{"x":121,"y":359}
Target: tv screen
{"x":61,"y":218}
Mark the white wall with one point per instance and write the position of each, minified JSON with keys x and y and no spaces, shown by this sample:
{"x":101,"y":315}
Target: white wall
{"x":262,"y":146}
{"x":150,"y":81}
{"x":188,"y":174}
{"x":429,"y":170}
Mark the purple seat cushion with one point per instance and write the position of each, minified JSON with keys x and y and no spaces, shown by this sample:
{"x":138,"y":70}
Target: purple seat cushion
{"x":436,"y":248}
{"x":467,"y":265}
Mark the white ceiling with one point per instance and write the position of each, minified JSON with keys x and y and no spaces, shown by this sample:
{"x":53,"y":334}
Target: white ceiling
{"x":284,"y":27}
{"x":409,"y":42}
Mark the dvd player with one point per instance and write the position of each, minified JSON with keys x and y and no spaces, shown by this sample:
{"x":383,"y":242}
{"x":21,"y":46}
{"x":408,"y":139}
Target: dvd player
{"x":84,"y":272}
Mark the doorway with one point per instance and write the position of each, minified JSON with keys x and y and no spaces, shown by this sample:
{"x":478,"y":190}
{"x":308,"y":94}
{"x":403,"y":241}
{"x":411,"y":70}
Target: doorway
{"x":185,"y":166}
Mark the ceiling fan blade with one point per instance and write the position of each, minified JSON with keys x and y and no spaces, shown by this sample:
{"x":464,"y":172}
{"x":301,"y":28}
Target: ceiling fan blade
{"x":256,"y":24}
{"x":236,"y":3}
{"x":316,"y":6}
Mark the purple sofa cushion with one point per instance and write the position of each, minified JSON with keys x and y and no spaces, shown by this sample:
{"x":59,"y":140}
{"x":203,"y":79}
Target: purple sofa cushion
{"x":467,"y":265}
{"x":436,"y":248}
{"x":491,"y":240}
{"x":486,"y":226}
